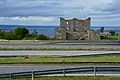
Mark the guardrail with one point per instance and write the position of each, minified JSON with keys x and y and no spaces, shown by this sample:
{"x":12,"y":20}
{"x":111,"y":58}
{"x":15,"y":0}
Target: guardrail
{"x":81,"y":70}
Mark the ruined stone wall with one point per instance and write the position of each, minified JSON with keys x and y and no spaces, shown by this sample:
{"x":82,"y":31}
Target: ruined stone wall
{"x":60,"y":33}
{"x":81,"y":25}
{"x":74,"y":24}
{"x":76,"y":29}
{"x":93,"y":35}
{"x":97,"y":35}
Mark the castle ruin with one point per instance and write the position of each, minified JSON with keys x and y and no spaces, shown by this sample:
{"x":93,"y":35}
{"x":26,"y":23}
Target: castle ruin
{"x":76,"y":29}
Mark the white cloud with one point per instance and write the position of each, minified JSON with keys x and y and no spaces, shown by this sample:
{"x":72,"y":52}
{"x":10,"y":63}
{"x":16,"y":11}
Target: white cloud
{"x":31,"y":20}
{"x":48,"y":11}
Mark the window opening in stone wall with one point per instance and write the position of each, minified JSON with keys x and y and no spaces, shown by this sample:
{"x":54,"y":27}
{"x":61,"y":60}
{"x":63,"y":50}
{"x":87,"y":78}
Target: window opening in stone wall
{"x":67,"y":22}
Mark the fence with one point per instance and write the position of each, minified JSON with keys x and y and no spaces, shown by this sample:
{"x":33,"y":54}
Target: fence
{"x":83,"y":70}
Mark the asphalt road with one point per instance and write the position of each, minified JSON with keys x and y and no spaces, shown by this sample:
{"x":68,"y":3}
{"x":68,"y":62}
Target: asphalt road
{"x":55,"y":53}
{"x":58,"y":46}
{"x":24,"y":68}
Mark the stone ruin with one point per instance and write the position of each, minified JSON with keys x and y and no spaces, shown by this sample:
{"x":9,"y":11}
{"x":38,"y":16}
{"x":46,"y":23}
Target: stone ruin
{"x":76,"y":29}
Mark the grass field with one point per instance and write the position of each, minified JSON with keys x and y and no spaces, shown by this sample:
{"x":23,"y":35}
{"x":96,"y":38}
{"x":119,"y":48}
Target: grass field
{"x":113,"y":37}
{"x":35,"y":60}
{"x":69,"y":78}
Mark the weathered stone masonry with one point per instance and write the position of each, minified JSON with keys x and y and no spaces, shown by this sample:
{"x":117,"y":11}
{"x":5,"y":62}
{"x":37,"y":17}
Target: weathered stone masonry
{"x":76,"y":29}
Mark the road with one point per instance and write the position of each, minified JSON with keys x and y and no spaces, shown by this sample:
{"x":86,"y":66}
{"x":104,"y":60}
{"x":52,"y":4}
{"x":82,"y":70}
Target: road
{"x":24,"y":68}
{"x":55,"y":53}
{"x":59,"y":44}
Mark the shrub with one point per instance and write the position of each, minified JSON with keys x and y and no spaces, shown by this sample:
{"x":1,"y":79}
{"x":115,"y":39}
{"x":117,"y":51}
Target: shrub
{"x":41,"y":37}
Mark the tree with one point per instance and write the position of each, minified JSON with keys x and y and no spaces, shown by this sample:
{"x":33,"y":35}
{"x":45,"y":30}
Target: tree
{"x":41,"y":37}
{"x":117,"y":34}
{"x":102,"y":29}
{"x":30,"y":37}
{"x":2,"y":34}
{"x":102,"y":37}
{"x":112,"y":33}
{"x":21,"y":33}
{"x":10,"y":35}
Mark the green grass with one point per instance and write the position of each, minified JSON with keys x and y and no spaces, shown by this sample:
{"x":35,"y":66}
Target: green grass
{"x":114,"y":37}
{"x":69,"y":78}
{"x":109,"y":37}
{"x":37,"y":60}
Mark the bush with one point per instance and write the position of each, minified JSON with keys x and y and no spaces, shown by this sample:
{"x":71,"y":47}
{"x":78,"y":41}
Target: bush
{"x":10,"y":36}
{"x":42,"y":37}
{"x":2,"y":34}
{"x":112,"y":33}
{"x":113,"y":38}
{"x":104,"y":37}
{"x":21,"y":33}
{"x":30,"y":37}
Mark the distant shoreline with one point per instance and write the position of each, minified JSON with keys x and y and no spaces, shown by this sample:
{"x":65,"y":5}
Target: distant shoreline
{"x":49,"y":30}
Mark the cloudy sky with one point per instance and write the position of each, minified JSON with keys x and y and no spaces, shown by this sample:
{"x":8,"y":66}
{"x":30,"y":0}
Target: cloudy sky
{"x":48,"y":12}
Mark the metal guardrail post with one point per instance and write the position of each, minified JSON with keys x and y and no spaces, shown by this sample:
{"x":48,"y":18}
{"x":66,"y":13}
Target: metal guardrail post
{"x":85,"y":47}
{"x":64,"y":72}
{"x":54,"y":46}
{"x":32,"y":75}
{"x":69,"y":46}
{"x":94,"y":71}
{"x":10,"y":75}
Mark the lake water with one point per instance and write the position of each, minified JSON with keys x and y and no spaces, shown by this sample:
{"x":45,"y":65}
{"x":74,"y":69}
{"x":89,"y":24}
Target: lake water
{"x":49,"y":30}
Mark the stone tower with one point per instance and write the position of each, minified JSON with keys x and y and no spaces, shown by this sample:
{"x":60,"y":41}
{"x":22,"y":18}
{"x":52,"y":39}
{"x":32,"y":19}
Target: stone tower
{"x":75,"y":29}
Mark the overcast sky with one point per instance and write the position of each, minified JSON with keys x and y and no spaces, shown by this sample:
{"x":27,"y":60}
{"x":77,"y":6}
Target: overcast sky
{"x":48,"y":12}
